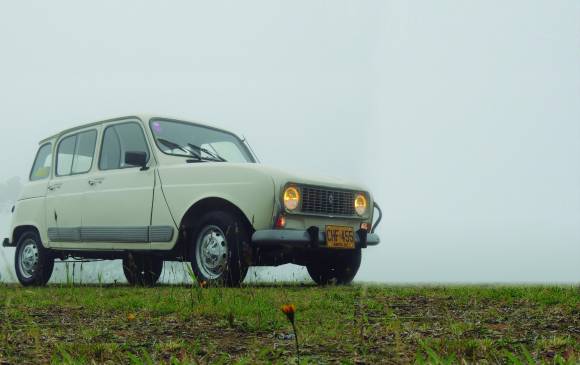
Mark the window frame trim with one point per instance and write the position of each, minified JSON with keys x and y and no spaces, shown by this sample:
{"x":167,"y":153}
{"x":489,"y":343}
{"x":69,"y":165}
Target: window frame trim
{"x":75,"y":134}
{"x":49,"y":143}
{"x":115,"y":124}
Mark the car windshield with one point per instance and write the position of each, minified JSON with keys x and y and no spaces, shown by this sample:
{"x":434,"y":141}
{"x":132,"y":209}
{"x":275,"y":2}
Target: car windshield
{"x":198,"y":142}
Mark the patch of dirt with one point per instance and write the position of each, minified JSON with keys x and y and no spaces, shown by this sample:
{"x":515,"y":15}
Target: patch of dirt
{"x":378,"y":329}
{"x":164,"y":336}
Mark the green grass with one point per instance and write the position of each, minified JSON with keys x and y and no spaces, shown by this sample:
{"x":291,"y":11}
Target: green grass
{"x":356,"y":324}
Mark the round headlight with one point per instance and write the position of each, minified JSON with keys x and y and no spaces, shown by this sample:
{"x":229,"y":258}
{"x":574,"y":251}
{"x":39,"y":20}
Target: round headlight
{"x":291,"y":198}
{"x":360,"y":204}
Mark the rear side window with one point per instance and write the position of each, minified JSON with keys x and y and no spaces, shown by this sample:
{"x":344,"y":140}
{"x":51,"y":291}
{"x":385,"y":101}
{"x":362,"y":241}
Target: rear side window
{"x":119,"y":139}
{"x":75,"y":153}
{"x":42,"y":163}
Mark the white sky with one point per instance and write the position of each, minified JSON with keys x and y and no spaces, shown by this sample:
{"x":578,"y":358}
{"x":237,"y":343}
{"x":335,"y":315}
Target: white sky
{"x":462,"y":117}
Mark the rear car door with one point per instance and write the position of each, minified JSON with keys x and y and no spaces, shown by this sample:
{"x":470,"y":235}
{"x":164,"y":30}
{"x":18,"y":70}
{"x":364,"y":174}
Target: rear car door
{"x":119,"y":202}
{"x":66,"y":191}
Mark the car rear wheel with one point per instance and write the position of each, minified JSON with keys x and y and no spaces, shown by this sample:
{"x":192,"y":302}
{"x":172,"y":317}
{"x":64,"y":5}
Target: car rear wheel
{"x":337,"y":267}
{"x":216,"y":255}
{"x":33,"y":262}
{"x":142,"y":270}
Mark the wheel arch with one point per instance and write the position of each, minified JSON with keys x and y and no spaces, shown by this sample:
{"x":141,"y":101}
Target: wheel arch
{"x":18,"y":231}
{"x":208,"y":204}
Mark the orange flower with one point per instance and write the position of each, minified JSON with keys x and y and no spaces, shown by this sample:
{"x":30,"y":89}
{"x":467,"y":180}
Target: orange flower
{"x":131,"y":317}
{"x":289,"y":310}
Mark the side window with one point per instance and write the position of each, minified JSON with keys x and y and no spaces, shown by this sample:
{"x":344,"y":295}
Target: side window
{"x":117,"y":140}
{"x":75,"y":153}
{"x":83,"y":158}
{"x":110,"y":150}
{"x":64,"y":155}
{"x":42,"y":163}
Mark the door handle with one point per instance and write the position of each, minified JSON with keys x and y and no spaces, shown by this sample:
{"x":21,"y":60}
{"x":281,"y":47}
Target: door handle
{"x":53,"y":187}
{"x":93,"y":182}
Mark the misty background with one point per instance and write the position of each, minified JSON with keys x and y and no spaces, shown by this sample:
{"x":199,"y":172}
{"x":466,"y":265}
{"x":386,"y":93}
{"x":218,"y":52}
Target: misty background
{"x":463,"y":118}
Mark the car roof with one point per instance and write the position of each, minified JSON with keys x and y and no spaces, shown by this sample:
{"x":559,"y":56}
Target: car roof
{"x":141,"y":116}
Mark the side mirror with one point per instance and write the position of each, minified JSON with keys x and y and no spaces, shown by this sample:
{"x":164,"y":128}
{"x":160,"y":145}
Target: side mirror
{"x":136,"y":158}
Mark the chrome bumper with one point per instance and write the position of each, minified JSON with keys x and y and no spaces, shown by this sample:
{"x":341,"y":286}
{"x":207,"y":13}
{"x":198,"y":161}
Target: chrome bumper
{"x":310,"y":238}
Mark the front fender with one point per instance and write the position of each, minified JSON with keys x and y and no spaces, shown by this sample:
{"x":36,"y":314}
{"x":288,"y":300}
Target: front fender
{"x":250,"y":190}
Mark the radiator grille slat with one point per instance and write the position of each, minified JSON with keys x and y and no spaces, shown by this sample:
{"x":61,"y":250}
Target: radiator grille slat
{"x":327,"y":201}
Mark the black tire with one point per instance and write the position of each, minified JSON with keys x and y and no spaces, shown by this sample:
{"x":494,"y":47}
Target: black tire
{"x":233,"y":236}
{"x":142,"y":270}
{"x":338,"y":267}
{"x":38,"y":273}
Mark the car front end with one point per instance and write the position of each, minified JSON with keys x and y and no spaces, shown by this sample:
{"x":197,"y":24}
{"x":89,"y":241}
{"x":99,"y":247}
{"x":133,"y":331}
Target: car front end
{"x":321,"y":215}
{"x":320,"y":223}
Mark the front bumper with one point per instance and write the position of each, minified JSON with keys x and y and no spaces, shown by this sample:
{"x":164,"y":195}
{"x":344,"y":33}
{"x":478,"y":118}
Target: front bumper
{"x":310,"y":238}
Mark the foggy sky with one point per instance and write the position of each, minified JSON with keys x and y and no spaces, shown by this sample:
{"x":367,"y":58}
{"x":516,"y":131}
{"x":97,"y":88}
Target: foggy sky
{"x":463,"y":118}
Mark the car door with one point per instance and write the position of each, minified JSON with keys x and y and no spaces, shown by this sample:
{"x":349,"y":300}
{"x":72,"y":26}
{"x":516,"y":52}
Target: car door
{"x":65,"y":197}
{"x":119,"y":202}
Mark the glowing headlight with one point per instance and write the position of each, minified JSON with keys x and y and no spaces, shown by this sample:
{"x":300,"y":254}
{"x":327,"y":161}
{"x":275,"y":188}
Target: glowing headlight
{"x":360,"y":204}
{"x":291,"y":198}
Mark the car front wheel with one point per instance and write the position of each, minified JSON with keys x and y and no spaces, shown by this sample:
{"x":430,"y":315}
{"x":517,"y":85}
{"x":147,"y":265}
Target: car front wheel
{"x":336,"y":267}
{"x":142,"y":270}
{"x":216,"y":256}
{"x":33,"y":262}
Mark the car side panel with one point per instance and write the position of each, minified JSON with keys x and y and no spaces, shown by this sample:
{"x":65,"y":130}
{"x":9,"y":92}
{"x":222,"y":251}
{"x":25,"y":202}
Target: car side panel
{"x":64,"y":208}
{"x":161,"y":216}
{"x":251,"y":191}
{"x":30,"y":209}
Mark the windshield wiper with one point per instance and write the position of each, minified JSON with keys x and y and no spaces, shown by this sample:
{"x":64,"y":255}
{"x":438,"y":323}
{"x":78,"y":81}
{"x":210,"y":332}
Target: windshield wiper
{"x":193,"y":151}
{"x":174,"y":145}
{"x":214,"y":156}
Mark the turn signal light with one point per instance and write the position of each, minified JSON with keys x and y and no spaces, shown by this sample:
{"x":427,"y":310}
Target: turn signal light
{"x":280,"y":221}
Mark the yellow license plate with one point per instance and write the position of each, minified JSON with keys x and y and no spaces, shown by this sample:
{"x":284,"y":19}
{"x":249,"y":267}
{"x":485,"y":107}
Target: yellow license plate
{"x":339,"y":237}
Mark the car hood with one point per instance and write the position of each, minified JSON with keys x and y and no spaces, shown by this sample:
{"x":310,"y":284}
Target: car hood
{"x":282,"y":177}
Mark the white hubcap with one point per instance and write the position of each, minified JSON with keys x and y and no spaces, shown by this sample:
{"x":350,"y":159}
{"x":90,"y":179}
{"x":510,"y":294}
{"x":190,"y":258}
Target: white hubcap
{"x":211,"y":252}
{"x":28,"y":258}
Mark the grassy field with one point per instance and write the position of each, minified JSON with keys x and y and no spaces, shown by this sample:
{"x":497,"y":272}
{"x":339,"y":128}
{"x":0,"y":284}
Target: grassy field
{"x":352,"y":325}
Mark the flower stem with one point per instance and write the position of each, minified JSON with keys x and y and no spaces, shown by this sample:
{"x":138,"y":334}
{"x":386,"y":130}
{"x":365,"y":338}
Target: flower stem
{"x":296,"y":340}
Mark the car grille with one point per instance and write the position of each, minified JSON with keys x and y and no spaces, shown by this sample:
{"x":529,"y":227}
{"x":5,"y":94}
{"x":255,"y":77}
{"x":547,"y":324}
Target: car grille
{"x":327,"y":201}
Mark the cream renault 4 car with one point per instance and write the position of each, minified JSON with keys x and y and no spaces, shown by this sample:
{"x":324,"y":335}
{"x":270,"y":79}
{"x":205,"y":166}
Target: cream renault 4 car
{"x":148,"y":189}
